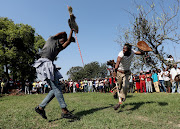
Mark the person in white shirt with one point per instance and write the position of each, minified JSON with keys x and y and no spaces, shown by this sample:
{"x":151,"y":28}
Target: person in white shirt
{"x":97,"y":84}
{"x":175,"y":71}
{"x":122,"y":70}
{"x":161,"y":80}
{"x":90,"y":86}
{"x":167,"y":82}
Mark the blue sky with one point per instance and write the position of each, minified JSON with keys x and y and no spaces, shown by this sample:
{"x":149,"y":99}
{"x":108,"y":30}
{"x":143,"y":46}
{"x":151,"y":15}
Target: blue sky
{"x":97,"y":19}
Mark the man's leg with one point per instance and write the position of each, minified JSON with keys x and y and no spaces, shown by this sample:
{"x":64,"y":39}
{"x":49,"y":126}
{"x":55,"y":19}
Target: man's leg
{"x":178,"y":87}
{"x":25,"y":89}
{"x":123,"y":83}
{"x":156,"y":87}
{"x":173,"y":87}
{"x":141,"y":86}
{"x":147,"y":86}
{"x":164,"y":86}
{"x":40,"y":108}
{"x":150,"y":87}
{"x":144,"y":85}
{"x":56,"y":90}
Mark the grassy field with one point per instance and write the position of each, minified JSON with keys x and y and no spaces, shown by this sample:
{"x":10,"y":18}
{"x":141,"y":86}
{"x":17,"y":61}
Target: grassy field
{"x":95,"y":110}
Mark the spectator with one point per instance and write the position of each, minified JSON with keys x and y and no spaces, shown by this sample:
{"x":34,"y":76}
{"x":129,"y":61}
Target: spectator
{"x":94,"y":85}
{"x":131,"y":83}
{"x":106,"y":85}
{"x":71,"y":86}
{"x":41,"y":87}
{"x":97,"y":85}
{"x":112,"y":82}
{"x":90,"y":86}
{"x":85,"y":85}
{"x":142,"y":78}
{"x":175,"y":82}
{"x":77,"y":86}
{"x":74,"y":87}
{"x":81,"y":86}
{"x":45,"y":88}
{"x":148,"y":82}
{"x":155,"y":81}
{"x":161,"y":80}
{"x":137,"y":81}
{"x":11,"y":84}
{"x":167,"y":79}
{"x":27,"y":87}
{"x":3,"y":86}
{"x":101,"y":85}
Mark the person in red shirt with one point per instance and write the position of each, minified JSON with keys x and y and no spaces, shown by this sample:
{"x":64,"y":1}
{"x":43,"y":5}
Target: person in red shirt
{"x":112,"y":83}
{"x":77,"y":86}
{"x":137,"y":83}
{"x":142,"y":78}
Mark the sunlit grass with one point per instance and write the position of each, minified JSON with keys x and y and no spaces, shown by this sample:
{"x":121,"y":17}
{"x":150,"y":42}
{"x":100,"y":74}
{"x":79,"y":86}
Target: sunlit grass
{"x":95,"y":110}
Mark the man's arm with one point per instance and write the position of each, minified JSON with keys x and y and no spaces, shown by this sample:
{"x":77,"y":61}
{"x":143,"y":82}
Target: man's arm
{"x":139,"y":53}
{"x":68,"y":40}
{"x":118,"y":62}
{"x":116,"y":66}
{"x":59,"y":35}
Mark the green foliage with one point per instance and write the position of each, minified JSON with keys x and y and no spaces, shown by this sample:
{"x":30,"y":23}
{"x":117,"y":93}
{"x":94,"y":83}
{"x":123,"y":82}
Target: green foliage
{"x":18,"y":48}
{"x":76,"y":73}
{"x":95,"y":110}
{"x":91,"y":70}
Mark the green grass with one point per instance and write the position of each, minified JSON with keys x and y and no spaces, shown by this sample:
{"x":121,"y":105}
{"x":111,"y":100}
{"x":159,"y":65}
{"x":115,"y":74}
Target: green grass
{"x":95,"y":110}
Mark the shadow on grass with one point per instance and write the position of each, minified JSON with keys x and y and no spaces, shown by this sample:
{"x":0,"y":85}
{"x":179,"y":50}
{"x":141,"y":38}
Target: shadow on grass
{"x":59,"y":118}
{"x":83,"y":113}
{"x":116,"y":96}
{"x":129,"y":96}
{"x":139,"y":104}
{"x":90,"y":111}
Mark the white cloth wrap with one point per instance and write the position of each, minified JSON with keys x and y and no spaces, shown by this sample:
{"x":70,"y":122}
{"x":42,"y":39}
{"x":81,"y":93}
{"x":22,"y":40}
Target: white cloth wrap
{"x":46,"y":70}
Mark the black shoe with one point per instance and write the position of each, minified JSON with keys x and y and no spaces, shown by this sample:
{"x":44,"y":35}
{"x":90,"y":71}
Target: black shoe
{"x":41,"y":112}
{"x":116,"y":106}
{"x":68,"y":115}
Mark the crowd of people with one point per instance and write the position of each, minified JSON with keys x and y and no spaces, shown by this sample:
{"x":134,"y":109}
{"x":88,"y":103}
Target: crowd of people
{"x":157,"y":80}
{"x":145,"y":82}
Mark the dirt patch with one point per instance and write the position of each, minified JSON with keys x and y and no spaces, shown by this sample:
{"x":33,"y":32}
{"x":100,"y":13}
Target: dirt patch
{"x":143,"y":118}
{"x":16,"y":92}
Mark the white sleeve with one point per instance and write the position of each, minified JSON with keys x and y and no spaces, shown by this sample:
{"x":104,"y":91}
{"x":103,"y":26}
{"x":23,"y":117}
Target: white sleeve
{"x":121,"y":54}
{"x":178,"y":71}
{"x":134,"y":50}
{"x":170,"y":71}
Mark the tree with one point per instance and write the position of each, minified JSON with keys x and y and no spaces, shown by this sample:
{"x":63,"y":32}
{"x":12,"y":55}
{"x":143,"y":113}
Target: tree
{"x":156,"y":25}
{"x":91,"y":70}
{"x":76,"y":73}
{"x":18,"y":47}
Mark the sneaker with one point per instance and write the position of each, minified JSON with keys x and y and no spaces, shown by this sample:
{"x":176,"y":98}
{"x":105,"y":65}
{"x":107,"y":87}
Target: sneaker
{"x":41,"y":112}
{"x":67,"y":115}
{"x":116,"y":106}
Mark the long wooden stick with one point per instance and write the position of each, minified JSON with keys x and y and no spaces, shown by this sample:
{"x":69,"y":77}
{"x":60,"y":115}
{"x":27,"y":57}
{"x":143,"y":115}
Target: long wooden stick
{"x":79,"y":49}
{"x":117,"y":88}
{"x":70,"y":13}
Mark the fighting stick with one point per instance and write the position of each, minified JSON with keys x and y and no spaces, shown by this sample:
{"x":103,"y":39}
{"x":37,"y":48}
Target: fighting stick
{"x":70,"y":13}
{"x":112,"y":64}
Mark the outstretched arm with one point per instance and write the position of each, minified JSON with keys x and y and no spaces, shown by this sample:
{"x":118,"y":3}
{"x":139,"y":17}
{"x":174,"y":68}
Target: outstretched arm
{"x":139,"y":53}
